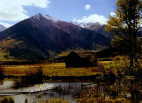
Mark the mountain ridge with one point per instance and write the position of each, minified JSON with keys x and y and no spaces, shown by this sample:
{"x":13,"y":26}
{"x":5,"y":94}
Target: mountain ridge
{"x":34,"y":37}
{"x":2,"y":28}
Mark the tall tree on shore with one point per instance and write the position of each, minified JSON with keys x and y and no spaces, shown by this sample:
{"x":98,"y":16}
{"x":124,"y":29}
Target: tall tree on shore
{"x":125,"y":26}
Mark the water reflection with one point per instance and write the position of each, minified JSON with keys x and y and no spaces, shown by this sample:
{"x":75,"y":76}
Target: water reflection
{"x":124,"y":90}
{"x":5,"y":84}
{"x":44,"y":92}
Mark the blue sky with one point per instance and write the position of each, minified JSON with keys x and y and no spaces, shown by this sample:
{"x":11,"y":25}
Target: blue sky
{"x":82,"y":11}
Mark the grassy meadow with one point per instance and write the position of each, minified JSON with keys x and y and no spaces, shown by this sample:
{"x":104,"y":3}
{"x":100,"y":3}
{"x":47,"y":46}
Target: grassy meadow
{"x":53,"y":69}
{"x":115,"y":65}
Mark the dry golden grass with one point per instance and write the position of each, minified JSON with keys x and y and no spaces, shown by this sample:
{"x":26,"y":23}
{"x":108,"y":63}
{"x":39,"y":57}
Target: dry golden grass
{"x":60,"y":69}
{"x":118,"y":63}
{"x":102,"y":100}
{"x":53,"y":69}
{"x":55,"y":100}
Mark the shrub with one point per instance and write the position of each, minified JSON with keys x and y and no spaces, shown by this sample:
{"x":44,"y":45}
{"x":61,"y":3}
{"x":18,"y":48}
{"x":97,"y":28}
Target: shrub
{"x":34,"y":77}
{"x":2,"y":75}
{"x":7,"y":100}
{"x":31,"y":78}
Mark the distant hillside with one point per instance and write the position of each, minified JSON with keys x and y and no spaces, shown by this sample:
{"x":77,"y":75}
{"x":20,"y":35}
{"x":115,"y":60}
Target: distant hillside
{"x":98,"y":28}
{"x":35,"y":38}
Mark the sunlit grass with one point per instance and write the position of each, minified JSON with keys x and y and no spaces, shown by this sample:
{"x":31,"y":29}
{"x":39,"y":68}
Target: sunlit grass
{"x":53,"y":69}
{"x":118,"y":63}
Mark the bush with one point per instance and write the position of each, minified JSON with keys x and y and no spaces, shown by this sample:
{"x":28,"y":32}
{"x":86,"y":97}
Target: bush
{"x":34,"y":77}
{"x":7,"y":100}
{"x":31,"y":78}
{"x":1,"y":73}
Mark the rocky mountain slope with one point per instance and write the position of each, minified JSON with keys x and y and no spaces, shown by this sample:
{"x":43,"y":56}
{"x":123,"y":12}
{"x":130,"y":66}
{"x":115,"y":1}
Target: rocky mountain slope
{"x":35,"y":38}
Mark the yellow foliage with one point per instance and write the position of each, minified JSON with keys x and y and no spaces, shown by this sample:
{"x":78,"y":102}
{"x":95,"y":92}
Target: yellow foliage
{"x":55,"y":100}
{"x":118,"y":63}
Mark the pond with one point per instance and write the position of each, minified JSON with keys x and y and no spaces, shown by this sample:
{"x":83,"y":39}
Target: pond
{"x":41,"y":93}
{"x":122,"y":90}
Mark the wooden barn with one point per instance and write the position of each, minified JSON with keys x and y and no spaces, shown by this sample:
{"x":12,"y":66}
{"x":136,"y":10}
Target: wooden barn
{"x":81,"y":59}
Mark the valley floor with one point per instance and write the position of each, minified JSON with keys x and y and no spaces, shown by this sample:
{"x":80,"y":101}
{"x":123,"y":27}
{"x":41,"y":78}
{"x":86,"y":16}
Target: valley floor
{"x":116,"y":65}
{"x":115,"y":86}
{"x":52,"y":69}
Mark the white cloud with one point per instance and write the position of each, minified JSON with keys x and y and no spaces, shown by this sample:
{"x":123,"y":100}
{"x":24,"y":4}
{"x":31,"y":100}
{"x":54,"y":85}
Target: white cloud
{"x":13,"y":10}
{"x":5,"y":24}
{"x":93,"y":18}
{"x":112,"y":14}
{"x":87,"y":7}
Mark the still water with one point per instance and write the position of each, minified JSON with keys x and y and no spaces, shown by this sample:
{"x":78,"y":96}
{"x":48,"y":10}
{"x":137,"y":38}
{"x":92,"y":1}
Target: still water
{"x":42,"y":92}
{"x":124,"y":90}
